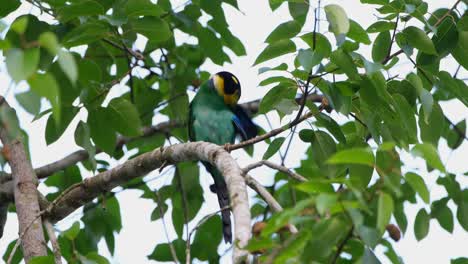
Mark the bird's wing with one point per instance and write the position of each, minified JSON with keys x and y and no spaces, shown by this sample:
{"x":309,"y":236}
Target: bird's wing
{"x":243,"y":124}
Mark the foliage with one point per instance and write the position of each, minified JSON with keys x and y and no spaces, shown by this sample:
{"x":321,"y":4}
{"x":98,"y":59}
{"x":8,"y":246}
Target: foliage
{"x":357,"y":184}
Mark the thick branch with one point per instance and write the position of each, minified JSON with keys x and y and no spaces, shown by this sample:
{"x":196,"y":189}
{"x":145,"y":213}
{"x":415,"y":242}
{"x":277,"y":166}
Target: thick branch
{"x":82,"y":193}
{"x":24,"y":185}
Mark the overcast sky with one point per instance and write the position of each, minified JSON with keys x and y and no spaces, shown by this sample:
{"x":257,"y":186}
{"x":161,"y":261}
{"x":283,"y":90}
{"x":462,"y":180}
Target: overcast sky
{"x":255,"y":21}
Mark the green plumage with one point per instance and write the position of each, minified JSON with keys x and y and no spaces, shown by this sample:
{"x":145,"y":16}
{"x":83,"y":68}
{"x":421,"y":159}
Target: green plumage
{"x":210,"y":120}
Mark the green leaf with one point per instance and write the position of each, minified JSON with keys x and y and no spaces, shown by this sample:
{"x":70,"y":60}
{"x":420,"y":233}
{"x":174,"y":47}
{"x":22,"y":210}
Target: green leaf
{"x":10,"y":119}
{"x":83,"y":139}
{"x":369,"y":235}
{"x":73,"y":231}
{"x":20,"y":24}
{"x":363,"y":156}
{"x":49,"y":41}
{"x":83,"y":8}
{"x":407,"y":117}
{"x":42,"y":260}
{"x":443,"y":214}
{"x":101,"y":129}
{"x":384,"y":211}
{"x":21,"y":64}
{"x":429,"y":153}
{"x":357,"y":33}
{"x":298,"y":10}
{"x":459,"y":51}
{"x":94,"y":258}
{"x":425,"y":96}
{"x":276,"y":49}
{"x":344,"y":61}
{"x":418,"y":39}
{"x":457,"y":88}
{"x":207,"y":239}
{"x":274,"y":96}
{"x":63,"y":179}
{"x":417,"y":183}
{"x":142,"y":8}
{"x":124,"y":116}
{"x":331,"y":125}
{"x":323,"y":147}
{"x":338,"y":20}
{"x":85,"y":34}
{"x":308,"y":59}
{"x":421,"y":224}
{"x":286,"y":30}
{"x":325,"y":201}
{"x":459,"y":261}
{"x":281,"y":67}
{"x":273,"y":148}
{"x":68,"y":65}
{"x":30,"y":101}
{"x":162,"y":252}
{"x":462,"y":210}
{"x":45,"y":85}
{"x":154,"y":28}
{"x":8,"y":6}
{"x":381,"y":46}
{"x":360,"y":175}
{"x":455,"y":135}
{"x":380,"y":26}
{"x":429,"y":132}
{"x":211,"y":46}
{"x":17,"y":257}
{"x":445,"y":38}
{"x":369,"y":257}
{"x":318,"y":43}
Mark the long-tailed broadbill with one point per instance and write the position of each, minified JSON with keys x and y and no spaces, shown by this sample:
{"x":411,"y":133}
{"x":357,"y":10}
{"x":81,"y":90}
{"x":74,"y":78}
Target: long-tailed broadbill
{"x":215,"y":117}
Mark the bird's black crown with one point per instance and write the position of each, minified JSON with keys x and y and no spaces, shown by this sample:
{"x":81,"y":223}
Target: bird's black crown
{"x":231,"y":83}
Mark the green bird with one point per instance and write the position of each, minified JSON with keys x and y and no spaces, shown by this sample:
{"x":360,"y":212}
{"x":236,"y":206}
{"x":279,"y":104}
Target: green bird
{"x":215,"y":117}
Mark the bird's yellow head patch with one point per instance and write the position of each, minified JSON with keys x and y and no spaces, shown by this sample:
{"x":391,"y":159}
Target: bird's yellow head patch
{"x":228,"y":86}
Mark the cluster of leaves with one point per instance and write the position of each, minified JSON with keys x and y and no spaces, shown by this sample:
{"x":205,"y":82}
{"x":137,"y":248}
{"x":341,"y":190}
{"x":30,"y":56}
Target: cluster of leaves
{"x":357,"y":182}
{"x":73,"y":54}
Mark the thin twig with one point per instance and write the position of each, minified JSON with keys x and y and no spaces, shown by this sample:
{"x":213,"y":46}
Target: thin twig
{"x":206,"y":218}
{"x":267,"y":197}
{"x":161,"y":211}
{"x":277,"y":167}
{"x":53,"y":240}
{"x":274,"y":132}
{"x":387,"y":58}
{"x":186,"y":213}
{"x":438,"y":22}
{"x":342,"y":244}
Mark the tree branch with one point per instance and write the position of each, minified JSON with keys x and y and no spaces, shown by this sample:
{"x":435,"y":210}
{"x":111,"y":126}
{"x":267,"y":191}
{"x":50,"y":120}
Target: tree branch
{"x":53,"y":240}
{"x":83,"y":192}
{"x":277,"y":167}
{"x":267,"y":197}
{"x":24,"y":184}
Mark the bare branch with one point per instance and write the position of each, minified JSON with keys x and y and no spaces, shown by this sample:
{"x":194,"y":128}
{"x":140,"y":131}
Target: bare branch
{"x":277,"y":167}
{"x":24,"y":184}
{"x":274,"y":132}
{"x":81,"y":193}
{"x":53,"y":240}
{"x":200,"y":223}
{"x":161,"y":211}
{"x":267,"y":197}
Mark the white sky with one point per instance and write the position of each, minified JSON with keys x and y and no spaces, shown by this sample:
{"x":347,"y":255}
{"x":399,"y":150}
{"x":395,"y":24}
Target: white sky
{"x":139,"y":236}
